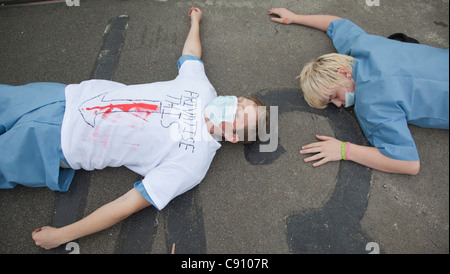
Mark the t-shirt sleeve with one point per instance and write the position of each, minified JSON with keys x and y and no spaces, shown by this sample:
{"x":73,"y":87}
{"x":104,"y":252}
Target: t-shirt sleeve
{"x":194,"y":70}
{"x":139,"y":186}
{"x":168,"y":180}
{"x":344,"y":33}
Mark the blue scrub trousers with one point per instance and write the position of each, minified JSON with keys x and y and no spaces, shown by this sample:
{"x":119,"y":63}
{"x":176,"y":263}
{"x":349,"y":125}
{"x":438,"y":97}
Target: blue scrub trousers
{"x":30,"y":136}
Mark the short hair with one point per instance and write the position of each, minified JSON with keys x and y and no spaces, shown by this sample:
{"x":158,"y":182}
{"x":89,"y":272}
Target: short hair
{"x":320,"y":76}
{"x":263,"y":118}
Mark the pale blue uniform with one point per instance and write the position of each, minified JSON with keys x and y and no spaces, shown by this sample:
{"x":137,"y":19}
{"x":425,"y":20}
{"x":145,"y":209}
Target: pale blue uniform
{"x":30,"y":136}
{"x":396,"y":83}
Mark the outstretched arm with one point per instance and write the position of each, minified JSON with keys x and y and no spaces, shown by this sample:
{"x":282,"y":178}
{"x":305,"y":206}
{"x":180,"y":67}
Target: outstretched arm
{"x":329,"y":149}
{"x":193,"y":45}
{"x":321,"y":22}
{"x":108,"y":215}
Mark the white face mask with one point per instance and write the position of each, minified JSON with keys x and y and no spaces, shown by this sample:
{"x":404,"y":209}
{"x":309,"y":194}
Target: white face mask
{"x":222,"y":109}
{"x":349,"y":98}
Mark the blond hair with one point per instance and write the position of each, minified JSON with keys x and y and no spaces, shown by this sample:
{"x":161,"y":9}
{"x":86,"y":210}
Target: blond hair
{"x":319,"y":77}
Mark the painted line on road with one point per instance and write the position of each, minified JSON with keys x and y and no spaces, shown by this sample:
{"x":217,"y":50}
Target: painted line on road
{"x":334,"y":228}
{"x":70,"y":205}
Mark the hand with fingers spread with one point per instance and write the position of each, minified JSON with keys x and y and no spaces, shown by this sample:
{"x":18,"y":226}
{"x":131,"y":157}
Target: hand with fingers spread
{"x":285,"y":16}
{"x":327,"y":150}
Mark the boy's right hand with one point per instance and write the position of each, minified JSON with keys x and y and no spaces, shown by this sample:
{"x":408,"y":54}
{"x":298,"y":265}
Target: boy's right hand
{"x":285,"y":16}
{"x":195,"y":14}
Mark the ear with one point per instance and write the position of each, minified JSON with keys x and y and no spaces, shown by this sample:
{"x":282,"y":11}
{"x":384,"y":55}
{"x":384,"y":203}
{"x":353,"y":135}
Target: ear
{"x":345,"y":72}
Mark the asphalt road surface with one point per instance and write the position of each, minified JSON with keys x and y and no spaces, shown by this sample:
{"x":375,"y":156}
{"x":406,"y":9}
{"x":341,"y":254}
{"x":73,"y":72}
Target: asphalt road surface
{"x":249,"y":202}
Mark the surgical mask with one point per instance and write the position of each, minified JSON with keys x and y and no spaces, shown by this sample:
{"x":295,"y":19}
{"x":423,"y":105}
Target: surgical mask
{"x":349,"y":98}
{"x":222,"y":109}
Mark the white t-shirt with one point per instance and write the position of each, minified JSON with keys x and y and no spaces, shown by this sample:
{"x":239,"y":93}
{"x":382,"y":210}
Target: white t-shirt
{"x":157,"y":130}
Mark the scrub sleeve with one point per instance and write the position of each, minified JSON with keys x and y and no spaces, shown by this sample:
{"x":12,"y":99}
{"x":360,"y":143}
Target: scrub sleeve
{"x":30,"y":136}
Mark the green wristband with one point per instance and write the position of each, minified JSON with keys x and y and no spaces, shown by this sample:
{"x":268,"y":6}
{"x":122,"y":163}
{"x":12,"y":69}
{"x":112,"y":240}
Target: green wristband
{"x":343,"y":150}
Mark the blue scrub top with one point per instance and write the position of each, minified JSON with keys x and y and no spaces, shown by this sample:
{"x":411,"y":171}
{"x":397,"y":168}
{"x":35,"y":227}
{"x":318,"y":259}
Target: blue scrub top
{"x":396,"y":83}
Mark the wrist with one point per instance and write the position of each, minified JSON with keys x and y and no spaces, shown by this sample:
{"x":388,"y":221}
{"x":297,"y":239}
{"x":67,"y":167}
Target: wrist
{"x":299,"y":19}
{"x":64,"y":235}
{"x":345,"y":150}
{"x":195,"y":20}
